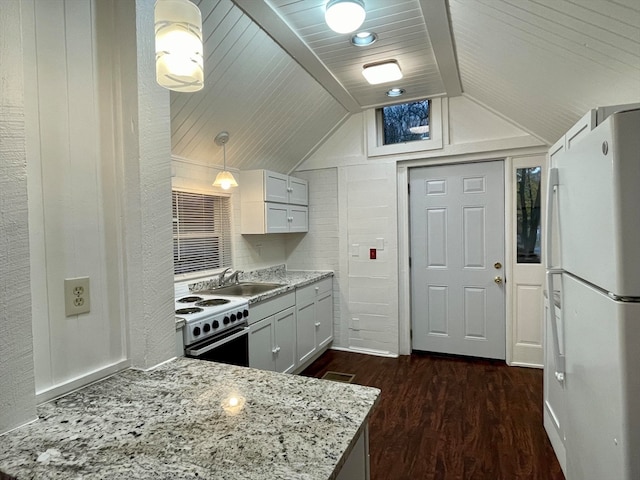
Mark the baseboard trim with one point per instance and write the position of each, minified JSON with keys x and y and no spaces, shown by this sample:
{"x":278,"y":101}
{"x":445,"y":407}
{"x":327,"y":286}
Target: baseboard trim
{"x":367,"y":351}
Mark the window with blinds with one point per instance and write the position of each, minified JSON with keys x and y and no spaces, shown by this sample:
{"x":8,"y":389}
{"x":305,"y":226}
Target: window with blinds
{"x":201,"y":232}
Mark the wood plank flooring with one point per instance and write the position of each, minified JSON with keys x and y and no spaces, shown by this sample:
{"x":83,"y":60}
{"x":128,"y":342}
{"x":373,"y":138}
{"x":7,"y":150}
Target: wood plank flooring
{"x":450,"y":418}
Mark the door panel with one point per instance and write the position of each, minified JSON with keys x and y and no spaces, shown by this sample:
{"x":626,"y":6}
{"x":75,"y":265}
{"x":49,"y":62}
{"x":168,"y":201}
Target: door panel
{"x":457,"y":235}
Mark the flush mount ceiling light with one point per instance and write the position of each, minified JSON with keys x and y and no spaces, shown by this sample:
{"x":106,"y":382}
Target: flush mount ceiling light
{"x":395,"y":92}
{"x":382,"y":72}
{"x":224,"y":179}
{"x":345,"y":16}
{"x":362,"y":39}
{"x":179,"y":60}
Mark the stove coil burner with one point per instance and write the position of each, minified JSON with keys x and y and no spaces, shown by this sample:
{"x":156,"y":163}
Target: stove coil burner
{"x":186,"y":311}
{"x":214,"y":302}
{"x":189,"y":299}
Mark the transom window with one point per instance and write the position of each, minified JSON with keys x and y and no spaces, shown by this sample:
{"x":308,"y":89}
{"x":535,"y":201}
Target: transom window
{"x":405,"y":122}
{"x":201,"y":232}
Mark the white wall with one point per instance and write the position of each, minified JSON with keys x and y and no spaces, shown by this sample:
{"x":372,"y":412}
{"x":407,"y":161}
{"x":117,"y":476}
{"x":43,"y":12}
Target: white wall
{"x":99,"y":183}
{"x":374,"y":293}
{"x":17,"y":401}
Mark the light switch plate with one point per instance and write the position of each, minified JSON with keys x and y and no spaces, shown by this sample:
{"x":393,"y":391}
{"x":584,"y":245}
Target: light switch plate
{"x":77,"y":298}
{"x":355,"y":249}
{"x":379,"y":243}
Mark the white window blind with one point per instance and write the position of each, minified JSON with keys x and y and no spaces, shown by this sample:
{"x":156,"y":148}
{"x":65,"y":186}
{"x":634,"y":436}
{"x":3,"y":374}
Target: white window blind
{"x":201,"y":232}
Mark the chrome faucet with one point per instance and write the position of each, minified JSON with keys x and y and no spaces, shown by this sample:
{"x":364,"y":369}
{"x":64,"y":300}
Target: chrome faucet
{"x":233,"y":278}
{"x":221,"y":280}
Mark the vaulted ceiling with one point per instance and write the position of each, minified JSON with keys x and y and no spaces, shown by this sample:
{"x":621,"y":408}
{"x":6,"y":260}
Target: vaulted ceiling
{"x":280,"y":81}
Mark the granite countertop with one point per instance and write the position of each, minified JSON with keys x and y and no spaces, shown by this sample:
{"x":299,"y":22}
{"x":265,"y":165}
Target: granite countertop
{"x":176,"y":422}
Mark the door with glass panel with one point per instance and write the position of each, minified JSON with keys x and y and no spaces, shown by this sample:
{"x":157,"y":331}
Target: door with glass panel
{"x":457,"y":220}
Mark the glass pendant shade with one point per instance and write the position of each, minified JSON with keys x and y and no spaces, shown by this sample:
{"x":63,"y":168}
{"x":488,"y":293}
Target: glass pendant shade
{"x":179,"y":58}
{"x":225,"y":180}
{"x":345,"y":16}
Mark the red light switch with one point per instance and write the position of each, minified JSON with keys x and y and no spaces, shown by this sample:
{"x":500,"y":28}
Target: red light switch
{"x":372,"y":254}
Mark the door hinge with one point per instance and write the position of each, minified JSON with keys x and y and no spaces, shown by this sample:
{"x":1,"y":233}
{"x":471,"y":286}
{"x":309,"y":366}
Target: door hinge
{"x":409,"y":188}
{"x":409,"y":262}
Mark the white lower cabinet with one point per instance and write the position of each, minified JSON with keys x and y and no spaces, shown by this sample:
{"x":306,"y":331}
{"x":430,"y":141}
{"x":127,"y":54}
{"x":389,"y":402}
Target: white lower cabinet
{"x":314,"y":318}
{"x":272,"y":342}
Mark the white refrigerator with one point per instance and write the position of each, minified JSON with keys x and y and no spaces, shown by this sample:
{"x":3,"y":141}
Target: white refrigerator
{"x":593,"y":260}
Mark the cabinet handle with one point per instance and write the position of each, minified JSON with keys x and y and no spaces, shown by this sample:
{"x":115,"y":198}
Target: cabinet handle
{"x":317,"y":324}
{"x":317,"y":289}
{"x":289,"y":219}
{"x":275,"y":350}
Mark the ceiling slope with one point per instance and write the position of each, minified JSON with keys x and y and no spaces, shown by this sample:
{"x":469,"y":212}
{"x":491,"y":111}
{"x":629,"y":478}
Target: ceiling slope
{"x":544,"y":63}
{"x":273,"y":109}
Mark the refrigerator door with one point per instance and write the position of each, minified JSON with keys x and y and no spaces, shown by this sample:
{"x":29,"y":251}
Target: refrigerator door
{"x":602,"y":385}
{"x":597,"y":201}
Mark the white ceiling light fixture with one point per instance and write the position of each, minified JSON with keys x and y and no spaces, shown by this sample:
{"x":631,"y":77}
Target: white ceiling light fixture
{"x":179,"y":58}
{"x":224,"y":179}
{"x":345,"y":16}
{"x":395,"y":92}
{"x":382,"y":72}
{"x":363,"y":39}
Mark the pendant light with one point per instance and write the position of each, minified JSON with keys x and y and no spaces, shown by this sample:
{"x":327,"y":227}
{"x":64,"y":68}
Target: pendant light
{"x":179,"y":59}
{"x":224,"y":179}
{"x":345,"y":16}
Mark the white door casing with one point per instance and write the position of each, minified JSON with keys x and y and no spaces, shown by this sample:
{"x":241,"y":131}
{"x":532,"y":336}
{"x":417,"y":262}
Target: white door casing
{"x":457,"y":255}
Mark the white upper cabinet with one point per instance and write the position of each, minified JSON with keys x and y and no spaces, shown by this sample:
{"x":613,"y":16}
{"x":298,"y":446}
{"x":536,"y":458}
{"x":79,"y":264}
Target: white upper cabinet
{"x":273,"y":203}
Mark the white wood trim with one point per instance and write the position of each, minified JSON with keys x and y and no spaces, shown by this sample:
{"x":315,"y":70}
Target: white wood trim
{"x":508,"y":257}
{"x":80,"y":382}
{"x":438,"y":23}
{"x":404,"y":271}
{"x":365,"y":351}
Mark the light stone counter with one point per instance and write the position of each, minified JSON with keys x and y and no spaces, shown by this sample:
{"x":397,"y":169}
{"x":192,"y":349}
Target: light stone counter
{"x":176,"y":422}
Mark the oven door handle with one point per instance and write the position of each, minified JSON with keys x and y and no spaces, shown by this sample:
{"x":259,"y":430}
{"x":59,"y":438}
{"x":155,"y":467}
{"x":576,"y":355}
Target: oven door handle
{"x":199,"y":351}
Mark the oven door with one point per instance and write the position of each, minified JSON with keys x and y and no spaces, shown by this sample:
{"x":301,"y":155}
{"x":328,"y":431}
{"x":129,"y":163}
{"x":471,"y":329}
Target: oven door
{"x":230,"y":347}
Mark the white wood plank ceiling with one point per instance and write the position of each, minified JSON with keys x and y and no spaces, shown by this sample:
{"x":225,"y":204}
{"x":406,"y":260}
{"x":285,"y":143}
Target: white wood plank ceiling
{"x":539,"y":63}
{"x":544,"y":63}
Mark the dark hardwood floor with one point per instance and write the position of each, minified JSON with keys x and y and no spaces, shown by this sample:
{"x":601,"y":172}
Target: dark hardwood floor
{"x":450,"y":418}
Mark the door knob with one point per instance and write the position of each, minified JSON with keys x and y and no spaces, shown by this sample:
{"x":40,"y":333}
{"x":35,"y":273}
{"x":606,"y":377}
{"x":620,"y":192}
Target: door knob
{"x":498,"y":280}
{"x":497,"y":265}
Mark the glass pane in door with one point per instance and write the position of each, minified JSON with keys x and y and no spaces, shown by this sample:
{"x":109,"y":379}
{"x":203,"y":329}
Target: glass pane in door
{"x":528,"y":214}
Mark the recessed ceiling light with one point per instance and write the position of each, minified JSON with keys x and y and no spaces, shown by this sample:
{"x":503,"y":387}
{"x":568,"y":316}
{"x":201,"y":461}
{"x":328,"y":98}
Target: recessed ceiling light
{"x":362,"y":39}
{"x":395,"y":92}
{"x":382,"y":72}
{"x":345,"y":16}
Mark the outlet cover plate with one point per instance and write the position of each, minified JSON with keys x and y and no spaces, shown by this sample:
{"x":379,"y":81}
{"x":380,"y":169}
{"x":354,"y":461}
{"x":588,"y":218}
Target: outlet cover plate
{"x":76,"y":296}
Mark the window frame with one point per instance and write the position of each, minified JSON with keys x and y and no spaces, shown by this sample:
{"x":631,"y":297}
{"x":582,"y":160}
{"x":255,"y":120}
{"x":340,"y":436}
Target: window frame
{"x":375,"y":132}
{"x":226,"y":254}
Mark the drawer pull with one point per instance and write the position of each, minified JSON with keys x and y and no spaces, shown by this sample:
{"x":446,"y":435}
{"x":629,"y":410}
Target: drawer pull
{"x":317,"y":324}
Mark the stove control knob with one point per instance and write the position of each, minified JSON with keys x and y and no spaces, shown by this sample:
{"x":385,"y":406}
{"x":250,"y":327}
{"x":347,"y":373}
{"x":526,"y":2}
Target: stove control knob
{"x":215,"y":324}
{"x":245,"y":313}
{"x":196,"y":331}
{"x":206,"y":327}
{"x":239,"y":315}
{"x":233,"y":317}
{"x":226,"y":320}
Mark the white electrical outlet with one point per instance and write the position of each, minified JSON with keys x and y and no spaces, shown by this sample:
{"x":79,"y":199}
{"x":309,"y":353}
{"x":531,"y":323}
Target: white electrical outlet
{"x":76,"y":296}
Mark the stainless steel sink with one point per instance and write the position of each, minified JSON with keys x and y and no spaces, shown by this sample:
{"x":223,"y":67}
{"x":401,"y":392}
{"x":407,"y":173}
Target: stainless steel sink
{"x":244,"y":289}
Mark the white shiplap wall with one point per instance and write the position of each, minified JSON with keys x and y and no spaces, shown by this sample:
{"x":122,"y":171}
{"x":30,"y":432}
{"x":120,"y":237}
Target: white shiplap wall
{"x":17,"y":403}
{"x":99,"y":189}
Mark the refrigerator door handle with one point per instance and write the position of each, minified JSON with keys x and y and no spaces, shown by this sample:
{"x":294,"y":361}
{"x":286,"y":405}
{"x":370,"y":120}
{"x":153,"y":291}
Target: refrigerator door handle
{"x":552,"y":182}
{"x":551,"y":271}
{"x":557,"y":356}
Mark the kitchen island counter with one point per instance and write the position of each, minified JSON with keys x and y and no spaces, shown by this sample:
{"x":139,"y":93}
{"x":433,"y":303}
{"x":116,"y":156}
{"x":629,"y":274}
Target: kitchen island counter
{"x":191,"y":419}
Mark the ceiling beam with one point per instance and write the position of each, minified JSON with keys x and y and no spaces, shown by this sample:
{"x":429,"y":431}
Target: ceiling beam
{"x":269,"y":21}
{"x":436,"y":16}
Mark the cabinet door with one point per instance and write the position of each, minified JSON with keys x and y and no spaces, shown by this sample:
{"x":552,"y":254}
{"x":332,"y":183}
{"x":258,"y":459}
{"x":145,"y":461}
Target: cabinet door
{"x":276,"y":187}
{"x":298,"y":191}
{"x":261,"y":345}
{"x":306,"y":330}
{"x":285,"y":327}
{"x":298,"y":218}
{"x":277,"y":218}
{"x":324,"y":318}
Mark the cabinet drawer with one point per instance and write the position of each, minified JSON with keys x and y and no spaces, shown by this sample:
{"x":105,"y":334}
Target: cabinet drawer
{"x":269,"y":307}
{"x":309,"y":293}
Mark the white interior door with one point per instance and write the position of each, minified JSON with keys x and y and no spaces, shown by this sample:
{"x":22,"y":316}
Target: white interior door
{"x":457,"y":257}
